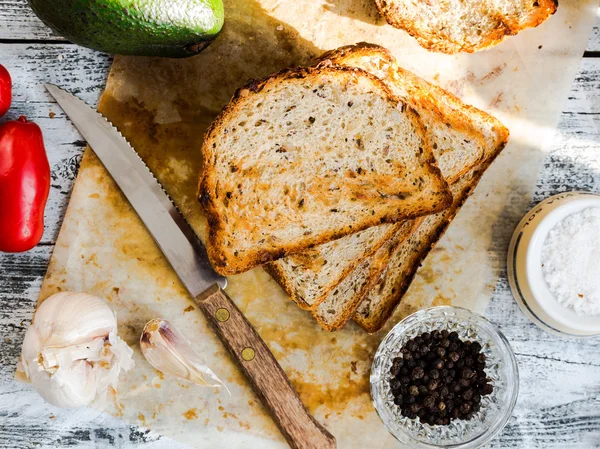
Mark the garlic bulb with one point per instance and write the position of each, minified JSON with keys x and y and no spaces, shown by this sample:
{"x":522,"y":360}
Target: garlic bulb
{"x":167,"y":350}
{"x":71,"y":352}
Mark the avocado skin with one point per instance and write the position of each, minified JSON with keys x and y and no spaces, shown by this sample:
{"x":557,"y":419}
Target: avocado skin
{"x":167,"y":28}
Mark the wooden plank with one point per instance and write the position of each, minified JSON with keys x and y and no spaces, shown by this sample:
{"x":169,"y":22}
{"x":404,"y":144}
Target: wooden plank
{"x":77,"y":69}
{"x":17,"y":21}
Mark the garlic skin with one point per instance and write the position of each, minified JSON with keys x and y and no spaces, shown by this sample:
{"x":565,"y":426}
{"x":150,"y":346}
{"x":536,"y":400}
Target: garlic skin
{"x":167,"y":350}
{"x":71,"y":352}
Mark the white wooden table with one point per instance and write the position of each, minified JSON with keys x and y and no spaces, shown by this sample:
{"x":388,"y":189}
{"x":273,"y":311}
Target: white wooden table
{"x":559,"y":404}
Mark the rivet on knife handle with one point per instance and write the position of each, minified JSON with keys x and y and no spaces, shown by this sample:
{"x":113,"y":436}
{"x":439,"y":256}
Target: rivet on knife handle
{"x":268,"y":379}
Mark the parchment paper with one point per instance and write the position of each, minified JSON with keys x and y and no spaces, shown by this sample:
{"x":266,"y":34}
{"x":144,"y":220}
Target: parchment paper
{"x":164,"y":106}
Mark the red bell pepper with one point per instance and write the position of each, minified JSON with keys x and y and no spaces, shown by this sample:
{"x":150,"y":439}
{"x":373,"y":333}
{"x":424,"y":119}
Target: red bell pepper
{"x":24,"y":185}
{"x":5,"y":90}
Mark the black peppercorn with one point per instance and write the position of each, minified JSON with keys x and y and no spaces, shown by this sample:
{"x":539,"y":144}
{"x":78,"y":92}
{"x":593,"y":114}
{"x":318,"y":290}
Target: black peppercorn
{"x":433,"y":384}
{"x":464,"y":383}
{"x":468,"y":394}
{"x":429,"y":401}
{"x":415,"y":407}
{"x":417,"y":373}
{"x":438,"y":378}
{"x":467,"y":373}
{"x":487,"y":389}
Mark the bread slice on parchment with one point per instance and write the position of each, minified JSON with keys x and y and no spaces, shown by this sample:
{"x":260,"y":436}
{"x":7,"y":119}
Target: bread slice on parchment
{"x":458,"y":146}
{"x":393,"y":282}
{"x":311,"y":278}
{"x":307,"y":156}
{"x":451,"y":26}
{"x":339,"y":304}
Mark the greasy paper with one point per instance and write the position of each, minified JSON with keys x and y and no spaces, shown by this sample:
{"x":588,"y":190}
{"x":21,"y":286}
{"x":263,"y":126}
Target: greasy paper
{"x":164,"y":106}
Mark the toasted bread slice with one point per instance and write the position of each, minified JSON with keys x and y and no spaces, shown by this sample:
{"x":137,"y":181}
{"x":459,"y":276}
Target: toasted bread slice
{"x":465,"y":26}
{"x":307,"y":156}
{"x":393,"y":282}
{"x":340,"y":303}
{"x":312,"y":276}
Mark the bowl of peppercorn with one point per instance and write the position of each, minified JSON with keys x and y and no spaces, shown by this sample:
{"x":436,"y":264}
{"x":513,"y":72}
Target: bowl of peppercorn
{"x":444,"y":377}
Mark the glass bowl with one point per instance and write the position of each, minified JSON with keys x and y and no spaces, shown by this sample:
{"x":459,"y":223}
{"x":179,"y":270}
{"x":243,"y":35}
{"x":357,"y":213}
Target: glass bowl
{"x":501,"y":367}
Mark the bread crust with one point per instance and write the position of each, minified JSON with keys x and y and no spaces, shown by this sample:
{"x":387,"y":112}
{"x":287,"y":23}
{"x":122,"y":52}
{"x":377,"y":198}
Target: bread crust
{"x":221,"y":261}
{"x":435,"y":40}
{"x":420,"y":90}
{"x":374,"y":265}
{"x":283,"y":280}
{"x":375,"y":322}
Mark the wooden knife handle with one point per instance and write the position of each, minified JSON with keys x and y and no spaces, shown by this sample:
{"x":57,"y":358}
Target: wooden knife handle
{"x":269,"y":381}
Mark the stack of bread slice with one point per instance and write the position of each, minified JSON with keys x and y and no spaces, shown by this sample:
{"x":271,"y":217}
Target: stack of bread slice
{"x":339,"y":178}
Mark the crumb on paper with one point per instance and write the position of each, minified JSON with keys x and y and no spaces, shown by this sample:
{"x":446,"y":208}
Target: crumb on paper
{"x":51,"y":114}
{"x":191,"y":414}
{"x":493,"y":74}
{"x":497,"y":100}
{"x":188,"y":309}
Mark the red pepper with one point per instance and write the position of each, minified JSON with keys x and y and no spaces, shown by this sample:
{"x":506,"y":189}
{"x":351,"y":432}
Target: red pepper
{"x":5,"y":90}
{"x":24,"y":185}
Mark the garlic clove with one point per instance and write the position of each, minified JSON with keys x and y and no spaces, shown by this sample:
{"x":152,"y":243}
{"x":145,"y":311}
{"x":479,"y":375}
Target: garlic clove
{"x":71,"y":352}
{"x":167,"y":350}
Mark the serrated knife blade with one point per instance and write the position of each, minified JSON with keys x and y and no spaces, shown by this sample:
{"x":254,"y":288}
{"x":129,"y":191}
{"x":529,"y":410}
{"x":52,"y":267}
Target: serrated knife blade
{"x":174,"y":236}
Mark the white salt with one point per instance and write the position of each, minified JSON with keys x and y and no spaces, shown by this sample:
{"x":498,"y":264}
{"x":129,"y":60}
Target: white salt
{"x":571,"y":261}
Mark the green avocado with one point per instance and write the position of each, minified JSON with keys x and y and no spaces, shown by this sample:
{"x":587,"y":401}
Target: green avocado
{"x":168,"y":28}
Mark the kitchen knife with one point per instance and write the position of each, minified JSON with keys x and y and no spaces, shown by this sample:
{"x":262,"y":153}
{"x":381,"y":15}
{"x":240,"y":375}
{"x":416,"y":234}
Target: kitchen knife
{"x":188,"y":258}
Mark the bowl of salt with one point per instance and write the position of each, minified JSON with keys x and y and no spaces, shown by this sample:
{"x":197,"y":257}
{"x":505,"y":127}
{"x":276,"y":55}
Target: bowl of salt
{"x":554,"y":264}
